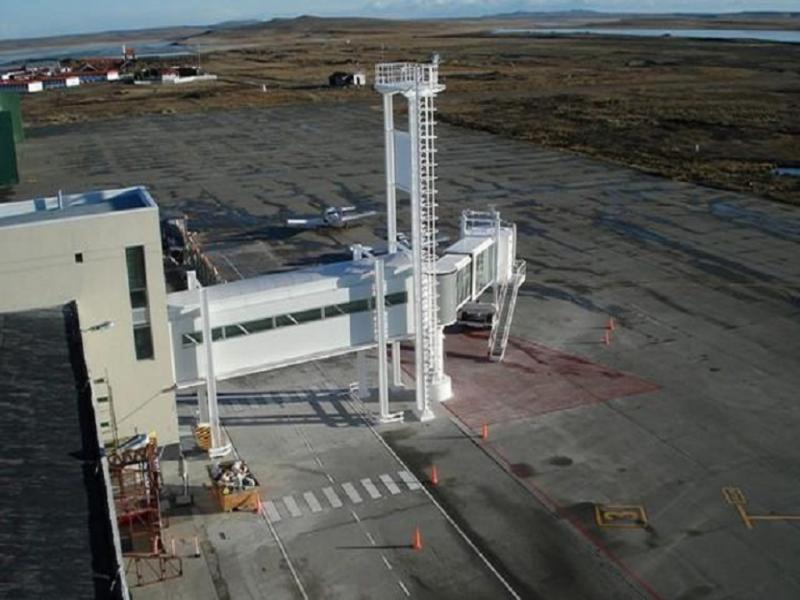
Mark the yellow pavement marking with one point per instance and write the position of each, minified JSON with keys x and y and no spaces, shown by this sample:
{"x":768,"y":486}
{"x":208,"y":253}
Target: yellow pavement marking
{"x":625,"y":516}
{"x":735,"y":496}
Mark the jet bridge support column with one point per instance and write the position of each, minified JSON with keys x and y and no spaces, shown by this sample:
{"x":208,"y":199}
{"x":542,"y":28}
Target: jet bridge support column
{"x":391,"y":212}
{"x":363,"y":374}
{"x":217,"y":448}
{"x":382,"y":337}
{"x":397,"y":369}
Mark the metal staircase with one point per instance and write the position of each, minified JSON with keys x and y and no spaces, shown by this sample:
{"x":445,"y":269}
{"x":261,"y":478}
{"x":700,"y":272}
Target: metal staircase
{"x":506,"y":301}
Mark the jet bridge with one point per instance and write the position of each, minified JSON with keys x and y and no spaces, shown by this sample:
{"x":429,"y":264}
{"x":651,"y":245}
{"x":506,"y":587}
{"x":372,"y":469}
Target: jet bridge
{"x":286,"y":318}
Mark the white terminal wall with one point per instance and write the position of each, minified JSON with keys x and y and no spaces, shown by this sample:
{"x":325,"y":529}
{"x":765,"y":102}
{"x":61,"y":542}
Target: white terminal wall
{"x":38,"y":269}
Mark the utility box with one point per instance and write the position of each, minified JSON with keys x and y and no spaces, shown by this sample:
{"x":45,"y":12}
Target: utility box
{"x":8,"y":151}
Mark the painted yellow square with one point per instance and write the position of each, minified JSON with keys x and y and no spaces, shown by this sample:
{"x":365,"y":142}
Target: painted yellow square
{"x":620,"y":515}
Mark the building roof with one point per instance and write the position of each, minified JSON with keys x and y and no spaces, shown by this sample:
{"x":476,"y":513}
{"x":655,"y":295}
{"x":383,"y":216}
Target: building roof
{"x":290,"y":284}
{"x":471,"y":245}
{"x":70,"y":206}
{"x":55,"y":541}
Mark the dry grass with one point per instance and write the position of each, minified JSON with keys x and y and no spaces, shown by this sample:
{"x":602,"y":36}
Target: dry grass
{"x":713,"y":112}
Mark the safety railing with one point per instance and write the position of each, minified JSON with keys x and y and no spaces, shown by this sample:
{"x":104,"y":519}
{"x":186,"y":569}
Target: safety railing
{"x":406,"y":74}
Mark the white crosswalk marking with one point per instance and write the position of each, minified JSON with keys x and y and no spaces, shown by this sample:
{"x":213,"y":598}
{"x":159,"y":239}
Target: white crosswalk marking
{"x":390,"y":484}
{"x":272,"y":513}
{"x":291,"y":506}
{"x":351,"y":492}
{"x":409,"y":480}
{"x":371,"y":489}
{"x":312,"y":502}
{"x":332,"y":497}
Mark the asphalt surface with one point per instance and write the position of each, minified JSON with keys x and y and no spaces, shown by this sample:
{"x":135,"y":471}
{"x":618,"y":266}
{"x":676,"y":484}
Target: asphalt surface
{"x":704,"y":286}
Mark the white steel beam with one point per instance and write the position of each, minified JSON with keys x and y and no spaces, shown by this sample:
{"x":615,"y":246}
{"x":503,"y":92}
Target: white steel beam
{"x":363,"y":374}
{"x":218,"y":449}
{"x":381,"y":338}
{"x":397,"y":369}
{"x":391,"y":191}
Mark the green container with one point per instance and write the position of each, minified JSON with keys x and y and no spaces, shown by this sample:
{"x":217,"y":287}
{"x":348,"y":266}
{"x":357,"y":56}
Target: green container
{"x":8,"y":150}
{"x":11,"y":103}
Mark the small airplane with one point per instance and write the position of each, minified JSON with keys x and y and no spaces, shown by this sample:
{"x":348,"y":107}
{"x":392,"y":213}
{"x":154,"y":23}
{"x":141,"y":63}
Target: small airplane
{"x":333,"y":216}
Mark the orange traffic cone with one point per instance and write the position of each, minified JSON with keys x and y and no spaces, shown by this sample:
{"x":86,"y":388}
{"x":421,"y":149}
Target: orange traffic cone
{"x":612,"y":324}
{"x":417,"y":544}
{"x":485,"y":432}
{"x":434,"y":475}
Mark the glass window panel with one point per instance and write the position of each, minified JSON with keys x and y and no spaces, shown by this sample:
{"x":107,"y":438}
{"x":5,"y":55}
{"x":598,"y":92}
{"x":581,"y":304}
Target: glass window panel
{"x":333,"y":311}
{"x":284,"y":321}
{"x":134,"y":257}
{"x":307,"y":315}
{"x":355,"y":306}
{"x":259,"y":325}
{"x":143,"y":342}
{"x":217,"y":334}
{"x":464,"y":284}
{"x":396,"y":298}
{"x":139,"y":298}
{"x":192,"y":339}
{"x":232,"y":331}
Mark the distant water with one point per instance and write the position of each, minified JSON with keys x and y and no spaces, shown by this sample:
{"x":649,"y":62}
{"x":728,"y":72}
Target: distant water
{"x":790,"y":171}
{"x":764,"y":35}
{"x":100,"y":50}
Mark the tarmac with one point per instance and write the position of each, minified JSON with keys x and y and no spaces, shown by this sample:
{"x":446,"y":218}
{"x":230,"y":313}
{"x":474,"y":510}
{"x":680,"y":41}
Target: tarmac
{"x":696,"y":390}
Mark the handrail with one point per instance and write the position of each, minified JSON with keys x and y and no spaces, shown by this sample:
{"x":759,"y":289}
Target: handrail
{"x":406,"y":73}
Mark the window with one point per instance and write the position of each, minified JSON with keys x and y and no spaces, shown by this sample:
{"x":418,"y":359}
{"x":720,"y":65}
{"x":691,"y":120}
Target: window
{"x":259,"y":325}
{"x":137,"y":278}
{"x":464,"y":284}
{"x":79,"y":257}
{"x":306,"y":316}
{"x":355,"y":306}
{"x":284,"y":321}
{"x":137,"y":289}
{"x":396,"y":298}
{"x":485,"y":267}
{"x":192,"y":339}
{"x":143,"y":341}
{"x":232,"y":331}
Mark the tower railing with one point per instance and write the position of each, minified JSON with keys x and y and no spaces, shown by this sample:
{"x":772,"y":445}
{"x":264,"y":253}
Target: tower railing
{"x":406,"y":74}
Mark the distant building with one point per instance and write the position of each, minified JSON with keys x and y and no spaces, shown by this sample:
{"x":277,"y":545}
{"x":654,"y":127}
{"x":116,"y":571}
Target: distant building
{"x":342,"y":79}
{"x":172,"y":75}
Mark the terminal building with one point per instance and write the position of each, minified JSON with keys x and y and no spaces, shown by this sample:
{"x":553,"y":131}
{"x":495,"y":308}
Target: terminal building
{"x":101,"y":250}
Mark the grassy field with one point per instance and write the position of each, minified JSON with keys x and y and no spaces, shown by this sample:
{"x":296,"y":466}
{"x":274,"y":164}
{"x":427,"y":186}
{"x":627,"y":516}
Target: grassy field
{"x":719,"y":113}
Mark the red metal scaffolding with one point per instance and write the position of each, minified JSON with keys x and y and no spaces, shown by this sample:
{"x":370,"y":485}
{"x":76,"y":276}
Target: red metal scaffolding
{"x":136,"y":483}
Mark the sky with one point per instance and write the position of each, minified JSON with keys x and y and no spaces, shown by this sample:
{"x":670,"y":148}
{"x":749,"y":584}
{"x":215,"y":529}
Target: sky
{"x":32,"y":18}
